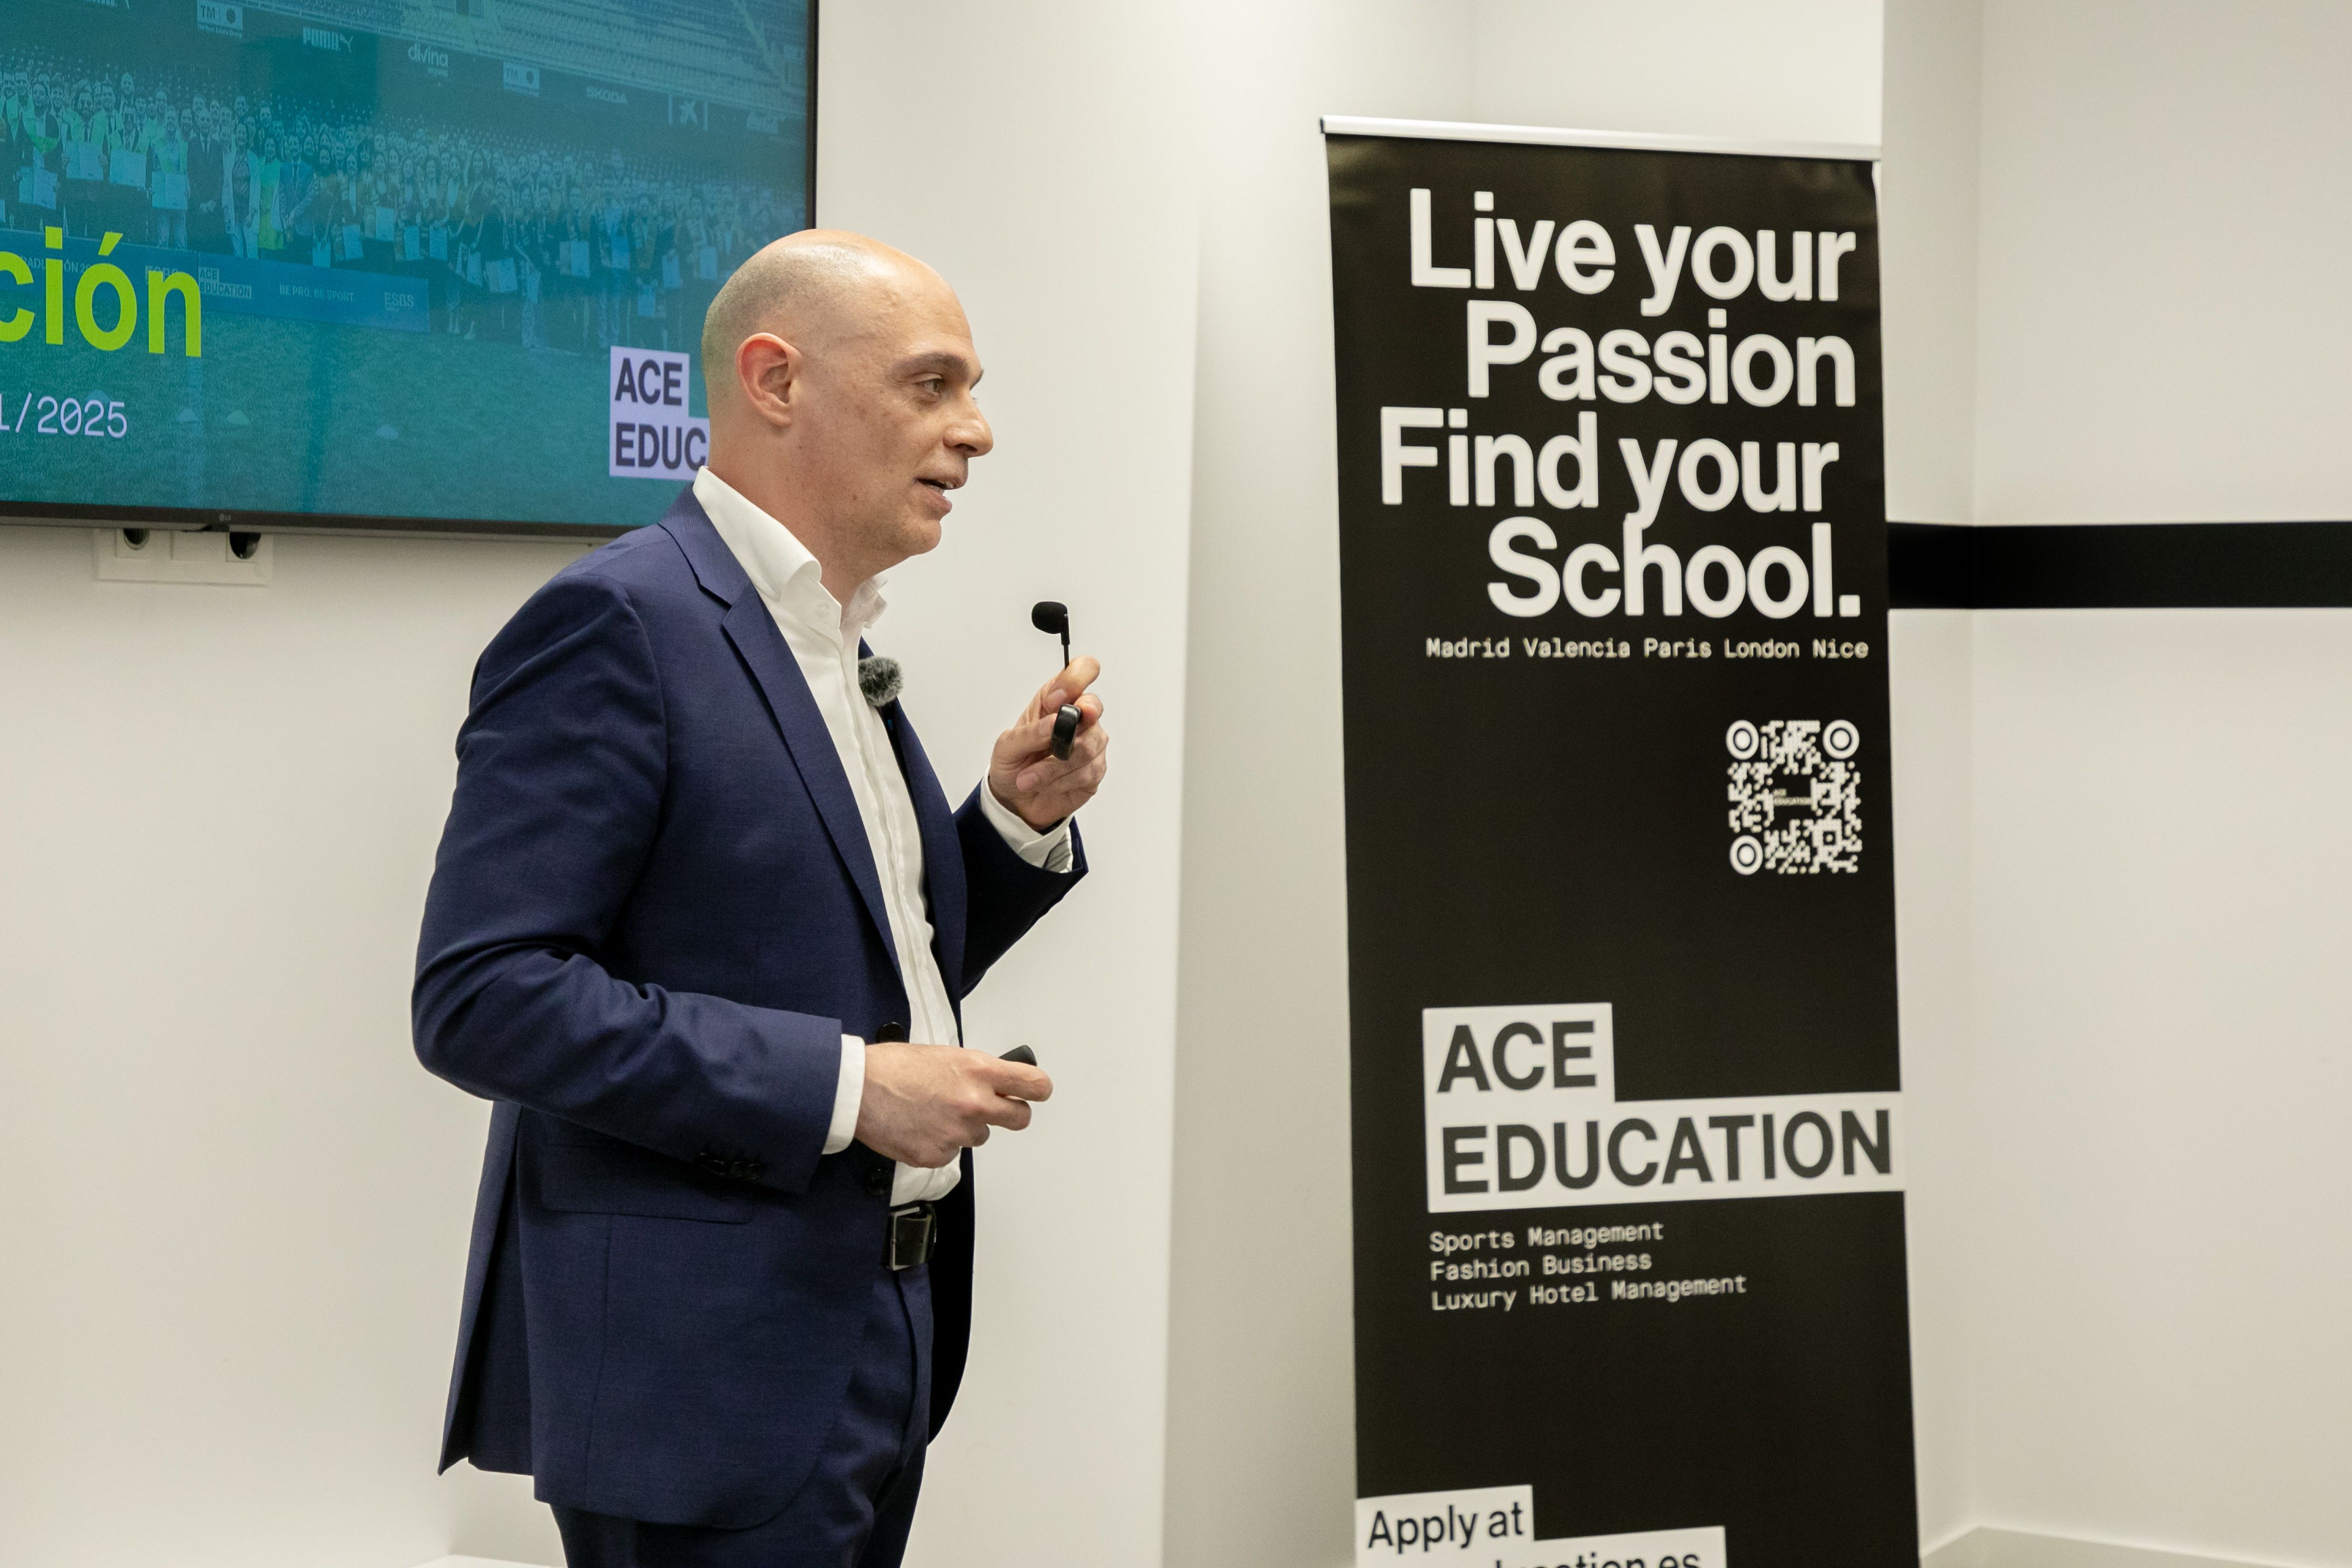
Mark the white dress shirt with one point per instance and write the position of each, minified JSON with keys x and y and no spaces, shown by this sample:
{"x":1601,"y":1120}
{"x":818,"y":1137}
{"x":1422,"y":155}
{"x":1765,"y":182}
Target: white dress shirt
{"x":823,"y":634}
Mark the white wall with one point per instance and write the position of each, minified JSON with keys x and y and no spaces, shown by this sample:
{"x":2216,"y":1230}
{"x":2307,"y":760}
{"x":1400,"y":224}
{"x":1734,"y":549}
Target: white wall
{"x":235,"y":1210}
{"x":2161,"y":262}
{"x":1261,"y":1441}
{"x":1927,"y":246}
{"x":2128,"y":1232}
{"x":1927,"y":201}
{"x":233,"y":1207}
{"x":1261,"y":1463}
{"x":1929,"y":669}
{"x":2159,"y":922}
{"x":2159,"y":941}
{"x":1796,"y":71}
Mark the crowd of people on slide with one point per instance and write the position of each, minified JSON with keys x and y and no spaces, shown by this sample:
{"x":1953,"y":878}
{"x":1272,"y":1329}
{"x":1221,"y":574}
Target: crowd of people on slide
{"x":549,"y":245}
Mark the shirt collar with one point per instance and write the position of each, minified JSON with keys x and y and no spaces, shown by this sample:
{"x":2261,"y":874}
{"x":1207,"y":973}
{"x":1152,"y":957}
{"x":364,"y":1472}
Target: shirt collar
{"x":790,"y":580}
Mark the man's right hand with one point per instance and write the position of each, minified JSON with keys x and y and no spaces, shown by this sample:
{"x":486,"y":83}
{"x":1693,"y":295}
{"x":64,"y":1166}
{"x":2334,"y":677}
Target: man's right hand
{"x":926,"y":1104}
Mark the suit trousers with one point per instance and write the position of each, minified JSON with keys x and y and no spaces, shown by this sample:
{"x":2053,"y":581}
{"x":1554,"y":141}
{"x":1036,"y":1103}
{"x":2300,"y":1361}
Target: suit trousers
{"x":856,"y":1508}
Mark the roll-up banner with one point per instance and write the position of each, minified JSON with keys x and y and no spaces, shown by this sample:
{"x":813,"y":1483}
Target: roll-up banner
{"x":1628,"y":1137}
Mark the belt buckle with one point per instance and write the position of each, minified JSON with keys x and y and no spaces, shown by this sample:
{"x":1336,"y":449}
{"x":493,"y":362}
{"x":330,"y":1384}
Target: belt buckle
{"x":914,"y":1232}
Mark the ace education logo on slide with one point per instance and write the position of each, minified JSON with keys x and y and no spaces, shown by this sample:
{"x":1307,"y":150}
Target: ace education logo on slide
{"x":652,"y":436}
{"x":1521,"y":1111}
{"x":1492,"y":1525}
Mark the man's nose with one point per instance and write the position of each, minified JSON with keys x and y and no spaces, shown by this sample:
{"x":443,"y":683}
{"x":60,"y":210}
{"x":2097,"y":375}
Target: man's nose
{"x":971,"y":436}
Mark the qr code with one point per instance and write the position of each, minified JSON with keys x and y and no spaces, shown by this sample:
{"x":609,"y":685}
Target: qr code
{"x":1796,"y":796}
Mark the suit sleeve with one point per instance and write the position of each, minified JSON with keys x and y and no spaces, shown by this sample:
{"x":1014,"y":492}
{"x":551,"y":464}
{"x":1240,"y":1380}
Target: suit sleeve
{"x":561,"y":770}
{"x":1007,"y":894}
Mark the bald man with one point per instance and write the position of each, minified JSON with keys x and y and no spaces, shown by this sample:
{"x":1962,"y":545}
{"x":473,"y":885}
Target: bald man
{"x":701,"y":929}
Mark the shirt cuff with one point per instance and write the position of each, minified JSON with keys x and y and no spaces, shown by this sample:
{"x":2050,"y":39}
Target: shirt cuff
{"x":1048,"y":851}
{"x":848,"y":1095}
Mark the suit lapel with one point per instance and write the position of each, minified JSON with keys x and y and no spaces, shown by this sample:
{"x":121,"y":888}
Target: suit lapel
{"x":942,"y":851}
{"x":764,"y":652}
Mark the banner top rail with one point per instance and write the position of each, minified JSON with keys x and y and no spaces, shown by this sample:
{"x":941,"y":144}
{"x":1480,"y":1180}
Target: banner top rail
{"x":1633,"y":140}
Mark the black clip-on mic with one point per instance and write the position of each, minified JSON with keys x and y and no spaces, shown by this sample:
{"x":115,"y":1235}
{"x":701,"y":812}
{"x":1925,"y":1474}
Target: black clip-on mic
{"x":1050,"y":616}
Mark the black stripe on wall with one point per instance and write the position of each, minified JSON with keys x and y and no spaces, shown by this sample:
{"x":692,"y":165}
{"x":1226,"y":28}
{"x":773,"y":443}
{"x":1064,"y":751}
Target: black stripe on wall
{"x":2120,"y":566}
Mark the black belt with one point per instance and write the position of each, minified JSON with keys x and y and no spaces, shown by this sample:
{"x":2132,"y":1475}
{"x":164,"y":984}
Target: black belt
{"x":914,"y":1235}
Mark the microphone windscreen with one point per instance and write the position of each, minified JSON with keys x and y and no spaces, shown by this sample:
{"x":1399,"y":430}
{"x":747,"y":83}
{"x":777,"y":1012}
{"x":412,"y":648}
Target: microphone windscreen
{"x":1050,"y":616}
{"x":880,"y":679}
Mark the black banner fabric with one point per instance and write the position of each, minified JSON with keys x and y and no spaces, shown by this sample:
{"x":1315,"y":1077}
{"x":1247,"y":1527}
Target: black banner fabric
{"x":1628,"y":1142}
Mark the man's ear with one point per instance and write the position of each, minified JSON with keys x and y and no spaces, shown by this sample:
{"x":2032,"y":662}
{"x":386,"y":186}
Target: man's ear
{"x":768,"y":372}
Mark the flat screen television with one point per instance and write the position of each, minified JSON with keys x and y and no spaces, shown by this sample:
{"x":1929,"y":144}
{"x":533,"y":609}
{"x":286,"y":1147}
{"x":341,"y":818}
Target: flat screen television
{"x":381,"y":266}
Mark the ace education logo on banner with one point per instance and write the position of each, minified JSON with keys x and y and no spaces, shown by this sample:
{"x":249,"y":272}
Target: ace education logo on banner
{"x":1630,"y":1287}
{"x":1521,"y":1111}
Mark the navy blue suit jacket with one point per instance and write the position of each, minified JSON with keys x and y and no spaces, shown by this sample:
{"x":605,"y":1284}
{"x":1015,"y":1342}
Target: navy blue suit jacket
{"x":654,"y":915}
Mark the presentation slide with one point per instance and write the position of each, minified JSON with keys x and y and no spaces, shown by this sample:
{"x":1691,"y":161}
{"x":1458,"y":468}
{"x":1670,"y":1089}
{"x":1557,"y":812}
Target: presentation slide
{"x":431,"y":263}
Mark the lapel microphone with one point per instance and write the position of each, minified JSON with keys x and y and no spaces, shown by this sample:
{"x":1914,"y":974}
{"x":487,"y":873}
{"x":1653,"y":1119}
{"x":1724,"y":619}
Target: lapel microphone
{"x":880,"y":679}
{"x":1050,"y":616}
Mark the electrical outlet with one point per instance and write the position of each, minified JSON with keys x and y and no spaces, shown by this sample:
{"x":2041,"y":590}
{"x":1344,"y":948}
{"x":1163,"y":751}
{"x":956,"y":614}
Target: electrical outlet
{"x":160,"y":555}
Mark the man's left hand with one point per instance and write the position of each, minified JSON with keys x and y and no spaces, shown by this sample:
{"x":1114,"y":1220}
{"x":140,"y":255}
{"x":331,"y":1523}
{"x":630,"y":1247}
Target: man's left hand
{"x":1023,"y":772}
